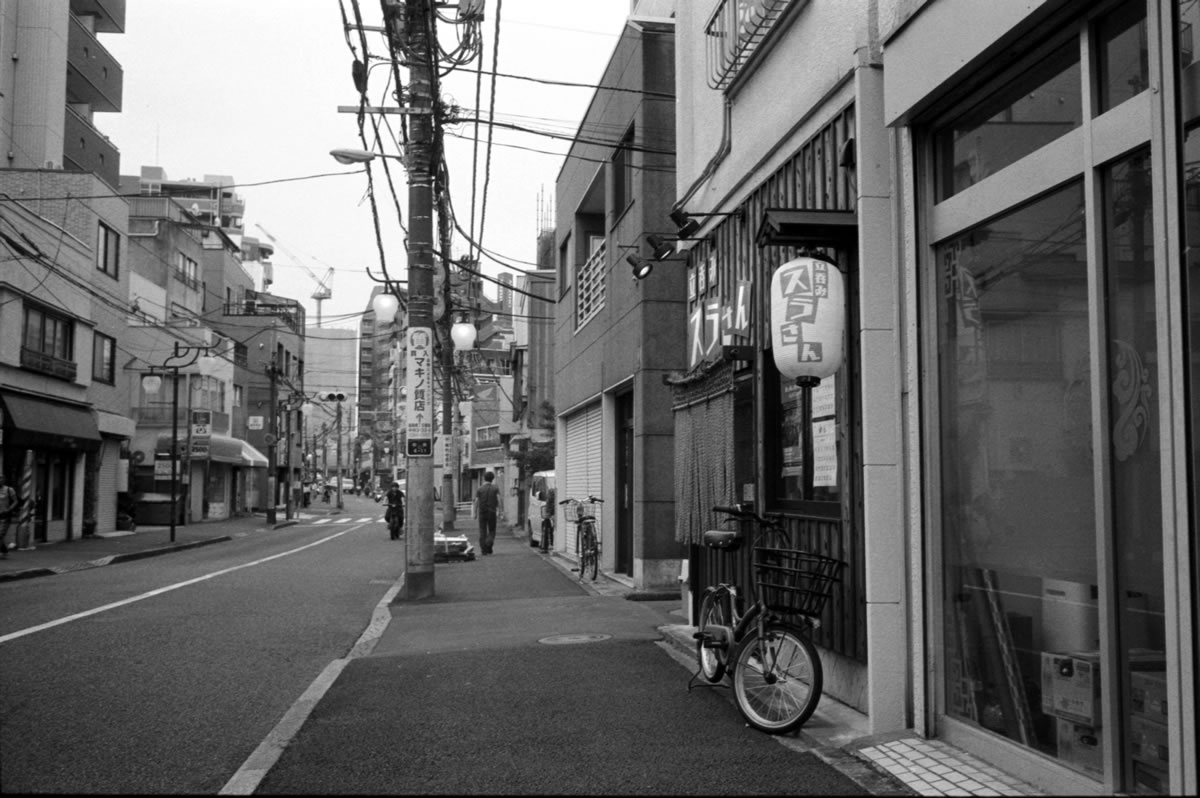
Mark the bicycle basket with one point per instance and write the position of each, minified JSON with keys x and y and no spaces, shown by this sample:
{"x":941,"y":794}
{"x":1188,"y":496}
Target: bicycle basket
{"x":795,"y":582}
{"x":576,"y":510}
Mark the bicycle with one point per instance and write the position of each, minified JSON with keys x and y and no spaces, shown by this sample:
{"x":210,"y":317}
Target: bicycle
{"x":775,"y":670}
{"x":587,"y":543}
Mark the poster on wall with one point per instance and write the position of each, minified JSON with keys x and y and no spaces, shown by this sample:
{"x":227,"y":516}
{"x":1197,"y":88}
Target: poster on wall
{"x":825,"y":461}
{"x":824,"y":433}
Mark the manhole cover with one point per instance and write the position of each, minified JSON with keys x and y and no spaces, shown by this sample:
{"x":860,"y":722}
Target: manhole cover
{"x":565,"y":640}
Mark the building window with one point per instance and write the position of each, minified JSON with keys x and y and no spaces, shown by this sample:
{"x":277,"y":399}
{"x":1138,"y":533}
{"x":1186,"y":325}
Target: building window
{"x":1005,"y":126}
{"x":104,"y":351}
{"x":49,"y":334}
{"x":1044,"y":294}
{"x":622,"y":174}
{"x":108,"y":250}
{"x":187,"y":270}
{"x":809,"y":453}
{"x":238,"y":393}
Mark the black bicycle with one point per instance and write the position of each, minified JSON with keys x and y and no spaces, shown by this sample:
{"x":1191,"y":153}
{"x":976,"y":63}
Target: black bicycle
{"x":776,"y":673}
{"x":587,"y":542}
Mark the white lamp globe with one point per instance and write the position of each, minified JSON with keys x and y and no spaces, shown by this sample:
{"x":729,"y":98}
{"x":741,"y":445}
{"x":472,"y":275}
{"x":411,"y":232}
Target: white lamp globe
{"x":463,"y":334}
{"x":151,"y":384}
{"x":385,"y":306}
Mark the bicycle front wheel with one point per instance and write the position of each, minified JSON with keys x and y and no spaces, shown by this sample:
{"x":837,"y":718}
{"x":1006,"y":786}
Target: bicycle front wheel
{"x":713,"y":612}
{"x":777,"y":678}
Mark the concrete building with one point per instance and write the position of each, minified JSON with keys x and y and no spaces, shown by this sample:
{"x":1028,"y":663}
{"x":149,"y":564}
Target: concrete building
{"x":616,"y":338}
{"x":1006,"y":458}
{"x":64,"y":288}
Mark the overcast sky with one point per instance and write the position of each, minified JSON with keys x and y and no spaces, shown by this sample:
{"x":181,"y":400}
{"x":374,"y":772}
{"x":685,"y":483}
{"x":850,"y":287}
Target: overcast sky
{"x":251,"y":88}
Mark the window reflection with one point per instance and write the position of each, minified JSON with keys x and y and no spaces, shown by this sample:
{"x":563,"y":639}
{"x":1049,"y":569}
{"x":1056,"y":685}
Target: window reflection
{"x":1043,"y":105}
{"x":1124,"y":61}
{"x":1020,"y":613}
{"x":1134,"y":457}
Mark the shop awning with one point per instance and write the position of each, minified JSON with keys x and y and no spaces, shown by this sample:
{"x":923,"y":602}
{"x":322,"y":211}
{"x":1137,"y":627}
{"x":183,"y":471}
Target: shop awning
{"x":797,"y":228}
{"x":252,"y":457}
{"x":221,"y":449}
{"x":225,"y":450}
{"x":33,"y":422}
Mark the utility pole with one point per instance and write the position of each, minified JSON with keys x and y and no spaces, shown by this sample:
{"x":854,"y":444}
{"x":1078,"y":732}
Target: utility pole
{"x":411,"y":24}
{"x":339,"y":450}
{"x":272,"y":441}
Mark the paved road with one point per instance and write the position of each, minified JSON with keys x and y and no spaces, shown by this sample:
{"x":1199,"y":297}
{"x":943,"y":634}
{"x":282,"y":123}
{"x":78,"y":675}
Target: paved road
{"x":194,"y":660}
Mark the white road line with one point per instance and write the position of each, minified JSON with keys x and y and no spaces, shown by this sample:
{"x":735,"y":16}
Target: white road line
{"x":158,"y":592}
{"x":247,"y":778}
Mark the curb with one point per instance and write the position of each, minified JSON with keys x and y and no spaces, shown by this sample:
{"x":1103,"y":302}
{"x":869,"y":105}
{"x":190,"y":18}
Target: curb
{"x":110,"y":560}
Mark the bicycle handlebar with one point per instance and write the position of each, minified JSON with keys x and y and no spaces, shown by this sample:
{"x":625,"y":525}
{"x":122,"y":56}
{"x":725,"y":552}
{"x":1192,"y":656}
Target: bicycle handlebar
{"x":591,"y":499}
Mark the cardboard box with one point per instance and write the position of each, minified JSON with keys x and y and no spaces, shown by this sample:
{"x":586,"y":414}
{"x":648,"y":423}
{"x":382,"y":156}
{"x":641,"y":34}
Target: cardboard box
{"x":1148,"y":741}
{"x":1079,"y":746}
{"x":1071,"y":686}
{"x":1148,"y":692}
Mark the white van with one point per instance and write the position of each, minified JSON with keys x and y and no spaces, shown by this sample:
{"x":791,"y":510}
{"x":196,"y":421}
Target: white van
{"x":542,"y":493}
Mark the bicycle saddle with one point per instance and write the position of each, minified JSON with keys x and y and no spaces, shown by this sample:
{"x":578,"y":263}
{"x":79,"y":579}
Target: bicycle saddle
{"x":728,"y":539}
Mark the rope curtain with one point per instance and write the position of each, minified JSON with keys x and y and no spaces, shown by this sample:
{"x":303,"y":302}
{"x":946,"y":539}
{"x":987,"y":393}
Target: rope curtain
{"x":703,"y":451}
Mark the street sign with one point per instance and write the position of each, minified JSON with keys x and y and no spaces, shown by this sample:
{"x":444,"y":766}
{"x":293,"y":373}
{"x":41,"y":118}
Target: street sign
{"x":254,"y":422}
{"x":201,"y":423}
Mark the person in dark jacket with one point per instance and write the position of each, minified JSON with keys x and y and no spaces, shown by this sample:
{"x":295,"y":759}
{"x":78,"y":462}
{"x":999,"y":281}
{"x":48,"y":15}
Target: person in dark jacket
{"x":395,"y":511}
{"x":487,"y":503}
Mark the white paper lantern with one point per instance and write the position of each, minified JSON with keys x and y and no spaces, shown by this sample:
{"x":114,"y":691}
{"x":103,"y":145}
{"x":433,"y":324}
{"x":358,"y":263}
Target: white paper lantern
{"x":808,"y":319}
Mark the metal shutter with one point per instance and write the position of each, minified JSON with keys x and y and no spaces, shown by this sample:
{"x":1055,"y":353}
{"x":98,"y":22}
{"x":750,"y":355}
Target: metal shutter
{"x":582,"y":473}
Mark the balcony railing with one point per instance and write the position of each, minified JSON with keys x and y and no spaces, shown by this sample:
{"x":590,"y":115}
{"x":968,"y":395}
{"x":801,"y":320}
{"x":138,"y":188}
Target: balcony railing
{"x":735,"y":31}
{"x":48,"y":364}
{"x":589,"y":290}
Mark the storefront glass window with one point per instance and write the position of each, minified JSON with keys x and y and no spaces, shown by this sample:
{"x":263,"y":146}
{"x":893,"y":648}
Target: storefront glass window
{"x":1134,"y":458}
{"x":1020,"y":618}
{"x":1024,"y":116}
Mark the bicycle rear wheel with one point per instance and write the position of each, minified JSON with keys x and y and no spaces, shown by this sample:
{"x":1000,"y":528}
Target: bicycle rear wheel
{"x":714,"y":611}
{"x":777,"y":678}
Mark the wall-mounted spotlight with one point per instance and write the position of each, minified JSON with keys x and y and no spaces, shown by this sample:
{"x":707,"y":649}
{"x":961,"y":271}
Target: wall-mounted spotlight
{"x":688,"y":225}
{"x":641,"y":266}
{"x":663,"y":248}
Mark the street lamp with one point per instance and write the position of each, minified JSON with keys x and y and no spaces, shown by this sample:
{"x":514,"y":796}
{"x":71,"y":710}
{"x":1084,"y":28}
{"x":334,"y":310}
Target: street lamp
{"x":181,"y":357}
{"x":353,"y":156}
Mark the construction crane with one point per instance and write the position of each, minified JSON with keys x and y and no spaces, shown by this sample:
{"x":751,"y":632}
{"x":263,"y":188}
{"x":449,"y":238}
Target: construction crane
{"x":324,"y":290}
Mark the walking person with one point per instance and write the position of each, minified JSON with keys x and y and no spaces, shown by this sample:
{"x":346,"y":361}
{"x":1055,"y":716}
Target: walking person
{"x":487,"y":502}
{"x":8,"y":509}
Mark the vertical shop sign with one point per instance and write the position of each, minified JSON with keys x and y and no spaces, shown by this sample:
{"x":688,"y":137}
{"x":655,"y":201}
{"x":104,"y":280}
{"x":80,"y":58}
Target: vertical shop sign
{"x":420,"y":401}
